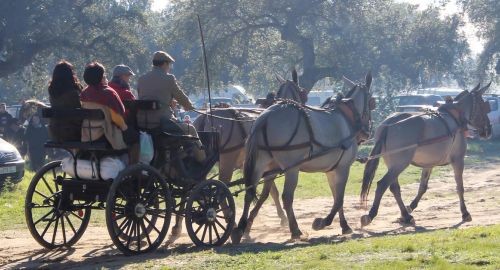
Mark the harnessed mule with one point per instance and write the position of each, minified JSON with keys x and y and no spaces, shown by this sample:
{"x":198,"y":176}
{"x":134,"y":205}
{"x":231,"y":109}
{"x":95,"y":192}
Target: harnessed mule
{"x":286,"y":138}
{"x":233,"y":125}
{"x":425,"y":140}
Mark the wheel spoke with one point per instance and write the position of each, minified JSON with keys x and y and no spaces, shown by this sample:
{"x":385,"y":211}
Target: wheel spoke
{"x":41,"y":206}
{"x":46,"y":215}
{"x":125,"y":229}
{"x":63,"y":229}
{"x":48,"y":225}
{"x":138,"y":232}
{"x":154,"y":213}
{"x":220,"y":224}
{"x":209,"y":233}
{"x":204,"y":233}
{"x":146,"y":232}
{"x":70,"y":224}
{"x":131,"y":234}
{"x":123,"y":224}
{"x":216,"y":232}
{"x":199,"y":228}
{"x":77,"y":216}
{"x":55,"y":231}
{"x":152,"y":225}
{"x":47,"y":185}
{"x":46,"y":197}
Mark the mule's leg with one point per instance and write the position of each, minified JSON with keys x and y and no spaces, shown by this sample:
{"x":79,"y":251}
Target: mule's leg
{"x":337,"y":180}
{"x":396,"y":191}
{"x":259,"y":168}
{"x":275,"y":194}
{"x":424,"y":180}
{"x":262,"y":198}
{"x":458,"y":170}
{"x":177,"y":229}
{"x":291,"y":179}
{"x":382,"y":186}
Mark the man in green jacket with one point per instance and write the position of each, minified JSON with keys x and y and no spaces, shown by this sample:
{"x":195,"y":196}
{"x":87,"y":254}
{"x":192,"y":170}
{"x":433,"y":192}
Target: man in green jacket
{"x":159,"y":84}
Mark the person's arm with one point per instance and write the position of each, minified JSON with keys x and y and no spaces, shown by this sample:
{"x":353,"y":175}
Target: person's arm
{"x":117,"y":111}
{"x":179,"y":95}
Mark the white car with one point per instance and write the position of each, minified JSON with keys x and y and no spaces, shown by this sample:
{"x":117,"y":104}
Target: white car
{"x":494,"y":115}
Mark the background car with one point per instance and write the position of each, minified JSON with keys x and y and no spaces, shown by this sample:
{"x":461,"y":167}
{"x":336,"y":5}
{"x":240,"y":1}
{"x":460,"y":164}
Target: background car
{"x":494,"y":114}
{"x":417,"y":103}
{"x":11,"y":163}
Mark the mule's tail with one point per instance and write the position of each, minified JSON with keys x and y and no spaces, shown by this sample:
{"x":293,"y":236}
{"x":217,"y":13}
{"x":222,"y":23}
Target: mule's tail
{"x":250,"y":159}
{"x":371,"y":167}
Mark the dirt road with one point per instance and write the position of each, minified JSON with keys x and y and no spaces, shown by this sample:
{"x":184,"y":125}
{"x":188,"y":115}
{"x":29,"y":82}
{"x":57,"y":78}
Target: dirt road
{"x":438,"y":209}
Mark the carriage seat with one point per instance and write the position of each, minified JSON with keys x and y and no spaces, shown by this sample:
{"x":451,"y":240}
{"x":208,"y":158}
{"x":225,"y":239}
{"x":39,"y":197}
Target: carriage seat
{"x":134,"y":106}
{"x":80,"y":114}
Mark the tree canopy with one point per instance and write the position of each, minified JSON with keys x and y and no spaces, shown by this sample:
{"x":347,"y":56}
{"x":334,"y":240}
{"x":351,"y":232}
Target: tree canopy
{"x":248,"y":42}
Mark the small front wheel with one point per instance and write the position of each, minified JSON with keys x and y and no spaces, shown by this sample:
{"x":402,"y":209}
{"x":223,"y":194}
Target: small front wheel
{"x":210,"y":213}
{"x":138,"y":210}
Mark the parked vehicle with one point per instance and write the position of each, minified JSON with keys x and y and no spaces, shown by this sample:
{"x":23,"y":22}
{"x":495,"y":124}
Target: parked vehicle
{"x":494,"y":115}
{"x":11,"y":163}
{"x":417,"y":103}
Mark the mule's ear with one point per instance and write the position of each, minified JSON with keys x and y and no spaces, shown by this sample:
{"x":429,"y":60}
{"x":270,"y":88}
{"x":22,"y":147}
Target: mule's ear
{"x":483,"y":90}
{"x":461,"y":95}
{"x":348,"y":83}
{"x":279,"y":78}
{"x":368,"y":79}
{"x":295,"y":77}
{"x":476,"y":88}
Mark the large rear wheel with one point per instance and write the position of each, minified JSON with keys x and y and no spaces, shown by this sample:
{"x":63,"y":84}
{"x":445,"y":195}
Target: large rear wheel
{"x":47,"y":216}
{"x":210,"y":213}
{"x":138,"y":210}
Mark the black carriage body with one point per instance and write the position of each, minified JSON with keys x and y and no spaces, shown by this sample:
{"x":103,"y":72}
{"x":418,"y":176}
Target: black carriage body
{"x":75,"y":197}
{"x":90,"y":191}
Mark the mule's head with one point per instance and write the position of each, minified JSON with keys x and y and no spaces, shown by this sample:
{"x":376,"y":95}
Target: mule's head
{"x":476,"y":110}
{"x":360,"y":104}
{"x":291,"y":89}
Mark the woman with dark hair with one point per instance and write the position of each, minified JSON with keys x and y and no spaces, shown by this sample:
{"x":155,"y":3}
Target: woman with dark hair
{"x":64,"y":93}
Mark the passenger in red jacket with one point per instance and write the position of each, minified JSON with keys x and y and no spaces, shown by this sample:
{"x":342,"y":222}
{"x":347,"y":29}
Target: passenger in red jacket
{"x":121,"y":82}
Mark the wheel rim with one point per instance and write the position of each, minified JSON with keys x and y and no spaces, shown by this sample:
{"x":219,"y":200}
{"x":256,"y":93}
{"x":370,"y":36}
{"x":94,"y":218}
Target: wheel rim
{"x":47,"y":216}
{"x":210,"y":214}
{"x":138,"y":211}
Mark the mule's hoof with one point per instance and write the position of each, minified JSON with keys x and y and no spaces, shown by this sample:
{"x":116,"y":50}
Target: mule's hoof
{"x":347,"y":230}
{"x":365,"y":220}
{"x":284,"y":221}
{"x":300,"y":236}
{"x":318,"y":224}
{"x":407,"y":221}
{"x":176,"y":231}
{"x":409,"y":209}
{"x":467,"y":218}
{"x":236,"y":236}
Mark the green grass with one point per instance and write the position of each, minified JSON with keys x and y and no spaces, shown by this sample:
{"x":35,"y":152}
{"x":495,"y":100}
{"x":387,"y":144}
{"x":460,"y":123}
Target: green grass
{"x":473,"y":248}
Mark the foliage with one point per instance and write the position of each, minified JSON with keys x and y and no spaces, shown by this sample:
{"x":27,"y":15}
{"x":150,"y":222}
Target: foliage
{"x":484,"y":14}
{"x":250,"y":40}
{"x":36,"y":34}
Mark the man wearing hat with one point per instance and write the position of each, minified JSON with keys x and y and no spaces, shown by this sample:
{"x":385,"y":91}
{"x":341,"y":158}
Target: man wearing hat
{"x":121,"y":82}
{"x":159,"y":84}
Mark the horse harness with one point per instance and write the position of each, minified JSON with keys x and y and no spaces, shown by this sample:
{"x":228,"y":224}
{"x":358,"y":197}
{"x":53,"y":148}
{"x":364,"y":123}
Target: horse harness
{"x":347,"y":110}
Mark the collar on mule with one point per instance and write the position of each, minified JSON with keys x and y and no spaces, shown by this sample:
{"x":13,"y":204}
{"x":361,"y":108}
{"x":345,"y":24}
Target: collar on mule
{"x":360,"y":127}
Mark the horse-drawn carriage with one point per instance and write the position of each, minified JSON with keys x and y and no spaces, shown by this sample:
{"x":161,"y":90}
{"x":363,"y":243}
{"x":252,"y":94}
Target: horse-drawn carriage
{"x":140,"y":201}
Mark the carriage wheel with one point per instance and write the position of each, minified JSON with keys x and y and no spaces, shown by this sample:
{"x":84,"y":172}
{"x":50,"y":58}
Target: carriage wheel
{"x":210,"y":213}
{"x":138,"y":210}
{"x":48,"y":222}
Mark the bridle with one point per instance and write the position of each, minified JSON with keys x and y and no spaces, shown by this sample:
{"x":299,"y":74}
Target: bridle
{"x":361,"y":123}
{"x":297,"y":92}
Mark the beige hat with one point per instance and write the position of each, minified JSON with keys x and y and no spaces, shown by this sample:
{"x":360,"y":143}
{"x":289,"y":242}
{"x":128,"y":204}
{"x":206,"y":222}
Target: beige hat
{"x":163,"y":56}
